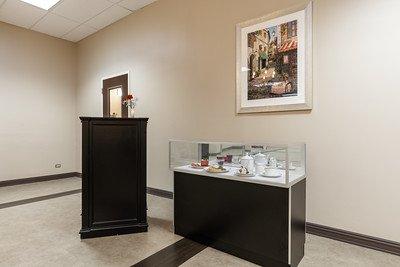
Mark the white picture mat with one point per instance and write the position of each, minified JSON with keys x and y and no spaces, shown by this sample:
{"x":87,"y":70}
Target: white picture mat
{"x":276,"y":105}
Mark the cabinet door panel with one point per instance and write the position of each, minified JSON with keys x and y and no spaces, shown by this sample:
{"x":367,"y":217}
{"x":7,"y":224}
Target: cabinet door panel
{"x":115,"y":157}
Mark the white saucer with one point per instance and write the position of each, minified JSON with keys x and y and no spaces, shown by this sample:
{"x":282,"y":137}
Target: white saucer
{"x":274,"y":173}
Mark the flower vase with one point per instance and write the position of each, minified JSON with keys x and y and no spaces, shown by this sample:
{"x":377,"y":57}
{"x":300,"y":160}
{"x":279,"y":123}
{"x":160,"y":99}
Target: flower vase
{"x":131,"y":112}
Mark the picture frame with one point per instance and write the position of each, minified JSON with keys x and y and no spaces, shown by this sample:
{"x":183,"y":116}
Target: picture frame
{"x":274,"y":62}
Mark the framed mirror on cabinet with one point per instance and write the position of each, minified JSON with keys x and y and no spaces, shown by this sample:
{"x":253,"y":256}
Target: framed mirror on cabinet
{"x":115,"y":89}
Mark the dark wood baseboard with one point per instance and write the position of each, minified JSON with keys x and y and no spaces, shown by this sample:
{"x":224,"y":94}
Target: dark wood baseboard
{"x":160,"y":192}
{"x":354,"y":238}
{"x":38,"y":179}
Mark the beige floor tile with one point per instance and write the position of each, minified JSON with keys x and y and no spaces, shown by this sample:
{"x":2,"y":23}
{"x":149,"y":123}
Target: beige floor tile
{"x":319,"y":252}
{"x":46,"y":234}
{"x":326,"y":252}
{"x":24,"y":191}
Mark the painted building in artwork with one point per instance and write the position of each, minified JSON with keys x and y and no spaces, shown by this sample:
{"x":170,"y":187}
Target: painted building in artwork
{"x":258,"y":52}
{"x":287,"y":53}
{"x":272,"y":61}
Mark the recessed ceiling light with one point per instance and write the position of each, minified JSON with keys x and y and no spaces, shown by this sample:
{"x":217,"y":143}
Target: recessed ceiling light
{"x":44,"y":4}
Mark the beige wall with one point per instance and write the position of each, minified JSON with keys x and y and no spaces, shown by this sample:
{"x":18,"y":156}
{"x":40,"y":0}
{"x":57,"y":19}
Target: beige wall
{"x":181,"y":54}
{"x":37,"y":104}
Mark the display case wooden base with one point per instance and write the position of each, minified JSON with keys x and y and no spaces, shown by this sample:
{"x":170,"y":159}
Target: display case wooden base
{"x":260,"y":223}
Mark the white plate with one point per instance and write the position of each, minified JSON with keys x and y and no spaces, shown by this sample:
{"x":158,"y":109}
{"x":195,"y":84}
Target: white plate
{"x":271,"y":176}
{"x":198,"y":167}
{"x":245,"y":175}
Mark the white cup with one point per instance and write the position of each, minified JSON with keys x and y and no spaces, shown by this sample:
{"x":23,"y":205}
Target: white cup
{"x":260,"y":168}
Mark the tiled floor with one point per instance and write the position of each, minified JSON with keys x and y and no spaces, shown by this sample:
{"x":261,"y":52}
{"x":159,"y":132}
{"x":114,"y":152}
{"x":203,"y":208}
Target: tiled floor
{"x":320,"y":252}
{"x":45,"y":233}
{"x":18,"y":192}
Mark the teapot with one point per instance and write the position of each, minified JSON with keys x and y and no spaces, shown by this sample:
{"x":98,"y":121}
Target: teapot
{"x":248,"y":162}
{"x":260,"y":159}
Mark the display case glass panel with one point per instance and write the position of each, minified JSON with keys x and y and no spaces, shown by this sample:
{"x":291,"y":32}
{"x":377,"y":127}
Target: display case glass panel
{"x":264,"y":163}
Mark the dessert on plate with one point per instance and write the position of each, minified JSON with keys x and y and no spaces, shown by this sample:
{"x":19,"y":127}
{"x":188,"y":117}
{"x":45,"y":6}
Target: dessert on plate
{"x":204,"y":162}
{"x":196,"y":165}
{"x":244,"y":171}
{"x":217,"y":169}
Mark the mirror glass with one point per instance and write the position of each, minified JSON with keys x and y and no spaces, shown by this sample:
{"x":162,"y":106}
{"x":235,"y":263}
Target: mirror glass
{"x":116,"y":102}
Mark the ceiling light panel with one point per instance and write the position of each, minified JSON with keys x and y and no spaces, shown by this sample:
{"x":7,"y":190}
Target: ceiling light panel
{"x":44,"y":4}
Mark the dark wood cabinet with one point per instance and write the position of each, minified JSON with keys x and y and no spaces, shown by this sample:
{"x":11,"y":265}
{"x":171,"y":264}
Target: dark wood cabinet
{"x":259,"y":223}
{"x":113,"y":176}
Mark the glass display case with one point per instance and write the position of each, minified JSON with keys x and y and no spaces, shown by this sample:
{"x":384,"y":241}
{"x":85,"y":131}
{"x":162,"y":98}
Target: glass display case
{"x":263,"y":163}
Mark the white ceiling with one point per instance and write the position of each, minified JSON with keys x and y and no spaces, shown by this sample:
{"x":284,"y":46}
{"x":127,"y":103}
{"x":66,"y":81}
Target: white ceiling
{"x":71,"y":20}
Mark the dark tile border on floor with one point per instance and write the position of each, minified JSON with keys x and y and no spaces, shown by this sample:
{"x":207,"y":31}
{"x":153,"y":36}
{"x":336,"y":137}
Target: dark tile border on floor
{"x":36,"y":199}
{"x":39,"y":179}
{"x":354,"y":238}
{"x":173,"y":255}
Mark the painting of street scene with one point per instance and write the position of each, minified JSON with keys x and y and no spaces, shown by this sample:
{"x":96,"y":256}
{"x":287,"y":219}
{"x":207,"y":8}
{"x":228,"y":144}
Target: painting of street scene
{"x":272,"y":62}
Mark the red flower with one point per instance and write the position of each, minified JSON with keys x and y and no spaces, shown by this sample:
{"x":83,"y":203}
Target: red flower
{"x":129,"y":97}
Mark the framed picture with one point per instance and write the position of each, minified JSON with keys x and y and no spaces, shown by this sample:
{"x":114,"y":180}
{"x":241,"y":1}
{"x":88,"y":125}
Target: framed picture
{"x":274,"y":62}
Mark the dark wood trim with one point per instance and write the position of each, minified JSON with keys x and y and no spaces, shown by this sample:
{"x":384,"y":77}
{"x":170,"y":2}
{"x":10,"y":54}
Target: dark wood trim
{"x":38,"y":179}
{"x":160,"y":193}
{"x":173,"y":255}
{"x":111,"y":230}
{"x":354,"y":238}
{"x":36,"y":199}
{"x":111,"y":119}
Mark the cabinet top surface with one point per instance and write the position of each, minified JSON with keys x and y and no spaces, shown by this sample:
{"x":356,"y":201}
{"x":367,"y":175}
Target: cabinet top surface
{"x":111,"y":119}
